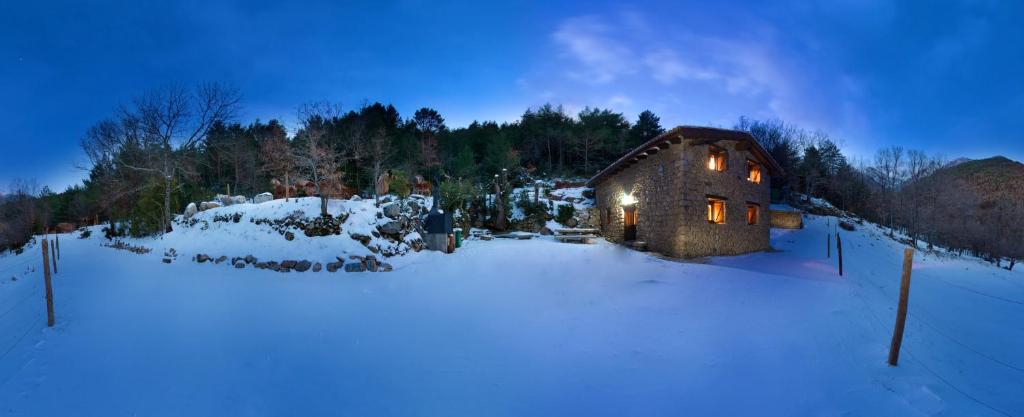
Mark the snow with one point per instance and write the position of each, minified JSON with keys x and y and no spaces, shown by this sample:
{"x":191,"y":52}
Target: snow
{"x":509,"y":328}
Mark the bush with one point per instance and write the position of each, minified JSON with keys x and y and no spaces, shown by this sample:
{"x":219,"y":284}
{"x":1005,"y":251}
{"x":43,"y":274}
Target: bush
{"x":85,"y":234}
{"x":565,"y":212}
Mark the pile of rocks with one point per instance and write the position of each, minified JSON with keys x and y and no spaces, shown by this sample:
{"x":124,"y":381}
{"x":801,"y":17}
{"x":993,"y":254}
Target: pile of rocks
{"x":355,"y":264}
{"x":359,"y":264}
{"x":399,"y":223}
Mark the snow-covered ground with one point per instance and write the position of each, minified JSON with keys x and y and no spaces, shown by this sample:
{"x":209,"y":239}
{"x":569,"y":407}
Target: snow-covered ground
{"x":515,"y":328}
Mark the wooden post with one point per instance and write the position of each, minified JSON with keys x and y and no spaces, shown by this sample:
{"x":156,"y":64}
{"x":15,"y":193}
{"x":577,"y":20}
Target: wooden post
{"x":901,"y":309}
{"x":828,"y":245}
{"x":58,"y":246}
{"x":49,"y":285}
{"x":839,"y":251}
{"x":53,"y":256}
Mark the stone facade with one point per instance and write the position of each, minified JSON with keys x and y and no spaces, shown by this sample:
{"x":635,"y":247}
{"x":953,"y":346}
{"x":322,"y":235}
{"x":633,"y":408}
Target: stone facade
{"x":671,"y":189}
{"x":787,"y":219}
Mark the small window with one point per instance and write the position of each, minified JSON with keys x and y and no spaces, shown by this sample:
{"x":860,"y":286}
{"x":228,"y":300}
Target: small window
{"x":753,"y":212}
{"x":753,"y":172}
{"x":716,"y":210}
{"x":717,"y":158}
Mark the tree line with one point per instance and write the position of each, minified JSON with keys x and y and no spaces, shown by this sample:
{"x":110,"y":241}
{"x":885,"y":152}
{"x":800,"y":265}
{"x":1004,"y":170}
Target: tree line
{"x":175,"y":145}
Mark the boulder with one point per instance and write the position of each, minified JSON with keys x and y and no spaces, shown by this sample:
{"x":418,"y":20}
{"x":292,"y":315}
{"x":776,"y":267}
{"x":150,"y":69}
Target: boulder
{"x":191,"y":210}
{"x":289,"y":263}
{"x":392,"y":228}
{"x":355,"y":267}
{"x":249,"y":259}
{"x":238,"y":199}
{"x":223,"y":199}
{"x":222,"y":258}
{"x":371,"y":263}
{"x":545,"y":231}
{"x":206,"y":205}
{"x":289,"y":236}
{"x":364,"y":239}
{"x":392,"y":210}
{"x":317,"y":267}
{"x":334,"y":266}
{"x":414,"y":207}
{"x":385,"y":267}
{"x":571,"y":222}
{"x":263,"y":198}
{"x":303,"y":266}
{"x":239,"y":264}
{"x":202,"y":257}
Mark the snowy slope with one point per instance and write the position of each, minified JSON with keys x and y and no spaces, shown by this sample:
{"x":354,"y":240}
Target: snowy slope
{"x":515,"y":328}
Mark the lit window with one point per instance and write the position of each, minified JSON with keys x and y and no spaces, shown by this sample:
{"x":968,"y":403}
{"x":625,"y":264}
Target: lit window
{"x":717,"y":158}
{"x":753,"y":172}
{"x":716,"y":210}
{"x":753,"y":210}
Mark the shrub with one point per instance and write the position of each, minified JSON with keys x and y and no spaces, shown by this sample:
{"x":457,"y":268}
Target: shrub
{"x":565,"y":212}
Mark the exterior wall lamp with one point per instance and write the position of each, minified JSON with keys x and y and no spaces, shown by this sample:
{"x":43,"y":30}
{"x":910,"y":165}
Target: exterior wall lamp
{"x":627,"y":200}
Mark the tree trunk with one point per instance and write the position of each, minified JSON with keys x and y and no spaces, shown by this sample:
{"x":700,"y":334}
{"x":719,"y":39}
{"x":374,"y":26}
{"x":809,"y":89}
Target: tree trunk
{"x":286,"y":186}
{"x":323,"y":205}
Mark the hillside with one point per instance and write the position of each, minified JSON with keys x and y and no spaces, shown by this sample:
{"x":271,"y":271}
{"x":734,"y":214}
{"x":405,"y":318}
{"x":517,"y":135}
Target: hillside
{"x":510,"y":328}
{"x":990,"y":179}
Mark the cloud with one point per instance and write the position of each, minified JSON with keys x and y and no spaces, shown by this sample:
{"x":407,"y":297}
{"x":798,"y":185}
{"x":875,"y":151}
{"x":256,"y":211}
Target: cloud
{"x":591,"y":42}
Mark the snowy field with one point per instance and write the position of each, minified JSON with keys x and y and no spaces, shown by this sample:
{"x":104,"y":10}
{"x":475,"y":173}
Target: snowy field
{"x":515,"y":328}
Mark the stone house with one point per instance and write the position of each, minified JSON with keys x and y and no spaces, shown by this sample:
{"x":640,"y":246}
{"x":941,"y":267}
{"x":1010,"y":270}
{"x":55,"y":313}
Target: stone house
{"x":692,"y":191}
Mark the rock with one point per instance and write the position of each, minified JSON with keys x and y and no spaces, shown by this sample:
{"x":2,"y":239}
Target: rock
{"x":545,"y":231}
{"x":356,"y":197}
{"x":303,"y":266}
{"x":249,"y":259}
{"x":202,"y":258}
{"x":374,"y":233}
{"x":289,"y":263}
{"x":847,"y":226}
{"x":223,"y":199}
{"x":260,"y":265}
{"x":571,"y":222}
{"x":485,"y":237}
{"x":392,"y":228}
{"x":239,"y":264}
{"x":191,"y":210}
{"x":392,"y":210}
{"x":206,"y":205}
{"x":283,"y":269}
{"x":222,"y":258}
{"x":317,"y":267}
{"x":263,"y":198}
{"x":355,"y":267}
{"x":354,"y":258}
{"x":385,"y":267}
{"x":414,"y":207}
{"x":364,"y":239}
{"x":333,"y":266}
{"x":167,"y":260}
{"x":272,"y":265}
{"x":289,"y":236}
{"x":371,"y":263}
{"x":238,"y":199}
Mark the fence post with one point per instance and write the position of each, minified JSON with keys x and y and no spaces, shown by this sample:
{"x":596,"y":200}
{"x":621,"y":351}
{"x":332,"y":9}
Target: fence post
{"x":58,"y":246}
{"x":53,"y":255}
{"x":839,"y":251}
{"x":828,"y":245}
{"x":901,"y":309}
{"x":49,"y":286}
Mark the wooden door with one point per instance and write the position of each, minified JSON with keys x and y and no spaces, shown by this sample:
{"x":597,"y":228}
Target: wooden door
{"x":629,"y":224}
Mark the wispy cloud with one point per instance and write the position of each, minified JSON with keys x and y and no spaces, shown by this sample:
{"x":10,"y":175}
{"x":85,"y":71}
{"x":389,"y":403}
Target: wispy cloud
{"x":601,"y":55}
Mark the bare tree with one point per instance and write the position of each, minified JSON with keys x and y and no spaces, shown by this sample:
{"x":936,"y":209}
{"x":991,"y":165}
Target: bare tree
{"x":316,"y":157}
{"x":380,"y":152}
{"x":278,"y":159}
{"x":160,"y":132}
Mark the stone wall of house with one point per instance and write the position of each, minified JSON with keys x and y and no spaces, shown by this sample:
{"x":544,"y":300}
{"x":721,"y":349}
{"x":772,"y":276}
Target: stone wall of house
{"x":671,"y":189}
{"x":787,"y":219}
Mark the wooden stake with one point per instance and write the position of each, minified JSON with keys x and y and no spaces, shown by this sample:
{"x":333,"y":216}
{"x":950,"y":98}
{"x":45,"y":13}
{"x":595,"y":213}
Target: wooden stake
{"x":58,"y":246}
{"x":54,"y":257}
{"x":49,"y":286}
{"x":901,"y":309}
{"x":828,"y":245}
{"x":839,"y":251}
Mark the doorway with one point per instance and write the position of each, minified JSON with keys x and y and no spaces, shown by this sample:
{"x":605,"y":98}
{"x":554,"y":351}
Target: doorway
{"x":629,"y":223}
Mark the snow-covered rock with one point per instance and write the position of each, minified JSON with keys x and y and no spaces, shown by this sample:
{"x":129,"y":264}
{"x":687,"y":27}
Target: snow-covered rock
{"x":263,"y":198}
{"x":191,"y":210}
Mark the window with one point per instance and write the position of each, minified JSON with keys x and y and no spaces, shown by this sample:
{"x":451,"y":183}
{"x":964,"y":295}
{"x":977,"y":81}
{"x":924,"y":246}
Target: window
{"x":716,"y":210}
{"x":753,"y":210}
{"x":753,"y":172}
{"x":717,"y":158}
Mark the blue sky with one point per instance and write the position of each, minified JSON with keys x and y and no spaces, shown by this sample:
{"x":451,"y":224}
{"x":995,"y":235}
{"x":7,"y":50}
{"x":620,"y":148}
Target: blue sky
{"x":942,"y":76}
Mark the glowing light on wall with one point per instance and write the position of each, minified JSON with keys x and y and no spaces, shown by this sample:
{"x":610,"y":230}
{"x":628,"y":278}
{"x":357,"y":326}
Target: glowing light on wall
{"x":627,"y":200}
